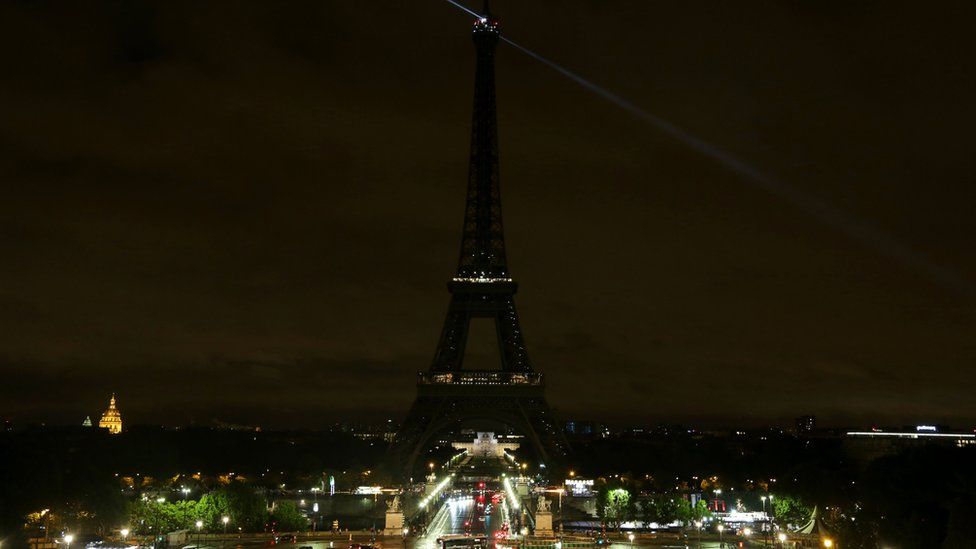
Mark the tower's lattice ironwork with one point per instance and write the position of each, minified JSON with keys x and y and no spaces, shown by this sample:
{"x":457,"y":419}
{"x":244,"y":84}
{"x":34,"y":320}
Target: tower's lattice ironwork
{"x":448,"y":395}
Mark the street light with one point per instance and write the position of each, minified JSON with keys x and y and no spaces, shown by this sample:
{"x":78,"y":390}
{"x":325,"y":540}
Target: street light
{"x":630,"y":536}
{"x":721,"y":528}
{"x":125,"y":533}
{"x":159,"y":501}
{"x":765,"y":530}
{"x":827,"y":542}
{"x":68,"y":538}
{"x":781,"y":537}
{"x":747,"y":531}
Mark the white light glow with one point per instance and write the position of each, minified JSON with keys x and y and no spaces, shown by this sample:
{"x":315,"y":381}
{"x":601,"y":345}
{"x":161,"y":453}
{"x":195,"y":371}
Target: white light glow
{"x":908,"y":434}
{"x":433,"y":493}
{"x":511,"y":492}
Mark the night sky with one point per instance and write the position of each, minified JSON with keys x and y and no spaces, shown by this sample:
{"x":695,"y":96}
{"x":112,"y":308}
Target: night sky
{"x":247,"y":212}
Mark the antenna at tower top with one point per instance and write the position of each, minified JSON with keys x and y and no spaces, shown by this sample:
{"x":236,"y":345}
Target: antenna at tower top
{"x":486,"y":11}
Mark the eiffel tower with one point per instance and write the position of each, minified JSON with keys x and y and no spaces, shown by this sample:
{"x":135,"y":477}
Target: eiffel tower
{"x":448,"y":396}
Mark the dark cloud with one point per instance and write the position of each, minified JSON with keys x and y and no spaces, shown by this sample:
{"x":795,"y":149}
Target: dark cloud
{"x":247,"y":211}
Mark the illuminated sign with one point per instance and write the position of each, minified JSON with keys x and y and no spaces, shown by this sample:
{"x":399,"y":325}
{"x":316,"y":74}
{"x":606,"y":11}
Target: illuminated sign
{"x":927,"y":428}
{"x":579,"y":486}
{"x":369,"y":490}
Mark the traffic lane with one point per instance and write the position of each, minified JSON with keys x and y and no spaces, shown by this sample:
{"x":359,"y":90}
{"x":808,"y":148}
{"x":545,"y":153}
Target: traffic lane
{"x":439,"y":526}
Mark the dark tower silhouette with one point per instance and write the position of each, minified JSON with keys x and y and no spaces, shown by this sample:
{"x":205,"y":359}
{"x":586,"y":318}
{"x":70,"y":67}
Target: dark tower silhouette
{"x":447,"y":395}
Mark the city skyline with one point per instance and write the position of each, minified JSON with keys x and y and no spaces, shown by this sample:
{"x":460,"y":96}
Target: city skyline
{"x":278,"y":225}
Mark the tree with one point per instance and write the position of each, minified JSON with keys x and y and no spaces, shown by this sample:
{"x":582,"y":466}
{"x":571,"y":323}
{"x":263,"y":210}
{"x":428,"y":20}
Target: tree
{"x":661,"y":508}
{"x":247,"y":508}
{"x":790,"y":510}
{"x":615,"y":507}
{"x":287,"y":518}
{"x":688,"y":513}
{"x":150,"y":516}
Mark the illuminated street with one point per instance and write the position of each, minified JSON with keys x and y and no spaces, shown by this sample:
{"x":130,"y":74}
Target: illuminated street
{"x":464,"y":514}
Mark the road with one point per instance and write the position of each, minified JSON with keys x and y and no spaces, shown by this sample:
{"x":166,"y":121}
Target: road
{"x":464,"y":514}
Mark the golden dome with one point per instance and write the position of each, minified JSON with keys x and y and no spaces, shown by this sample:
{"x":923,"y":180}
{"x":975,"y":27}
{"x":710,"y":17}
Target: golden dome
{"x":112,"y":418}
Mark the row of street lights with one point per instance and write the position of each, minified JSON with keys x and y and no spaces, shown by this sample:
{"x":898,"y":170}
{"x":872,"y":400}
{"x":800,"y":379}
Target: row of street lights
{"x":68,"y":538}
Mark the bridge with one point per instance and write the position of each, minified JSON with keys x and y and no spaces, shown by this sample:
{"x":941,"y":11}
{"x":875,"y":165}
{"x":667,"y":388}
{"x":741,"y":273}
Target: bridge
{"x":478,"y":492}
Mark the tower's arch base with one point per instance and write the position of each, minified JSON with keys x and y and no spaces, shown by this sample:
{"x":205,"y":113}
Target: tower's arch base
{"x":452,"y":408}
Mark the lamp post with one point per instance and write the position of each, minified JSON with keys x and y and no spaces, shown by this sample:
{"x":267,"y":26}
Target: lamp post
{"x":68,"y":538}
{"x":186,"y":492}
{"x":125,"y":534}
{"x":721,"y":542}
{"x":698,"y":526}
{"x":199,"y":525}
{"x":561,"y":491}
{"x":782,"y":539}
{"x":630,"y":536}
{"x":315,"y":508}
{"x":159,"y":512}
{"x":765,"y":530}
{"x":224,"y":519}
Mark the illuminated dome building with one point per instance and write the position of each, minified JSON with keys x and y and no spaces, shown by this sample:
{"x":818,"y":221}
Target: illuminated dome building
{"x":112,"y":418}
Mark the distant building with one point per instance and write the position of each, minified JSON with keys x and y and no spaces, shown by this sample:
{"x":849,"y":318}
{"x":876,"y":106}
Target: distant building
{"x":487,"y":445}
{"x":87,"y":422}
{"x":585,"y":428}
{"x":806,"y":425}
{"x":865,"y":446}
{"x":580,"y":428}
{"x":112,"y":418}
{"x":385,"y":432}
